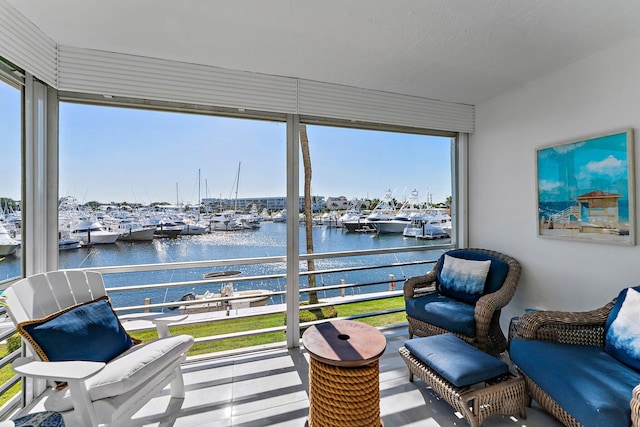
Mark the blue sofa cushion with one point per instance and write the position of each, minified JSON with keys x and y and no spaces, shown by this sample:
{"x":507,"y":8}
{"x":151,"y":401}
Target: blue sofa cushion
{"x":444,"y":312}
{"x":458,"y":362}
{"x":495,"y":277}
{"x":622,"y":339}
{"x":586,"y":381}
{"x":89,"y":331}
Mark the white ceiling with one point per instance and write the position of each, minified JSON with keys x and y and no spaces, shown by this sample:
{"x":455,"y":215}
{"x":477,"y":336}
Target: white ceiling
{"x":466,"y":51}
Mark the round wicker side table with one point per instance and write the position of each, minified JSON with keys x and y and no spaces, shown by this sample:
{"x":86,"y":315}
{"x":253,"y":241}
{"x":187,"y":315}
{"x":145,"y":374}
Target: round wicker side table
{"x":344,"y":374}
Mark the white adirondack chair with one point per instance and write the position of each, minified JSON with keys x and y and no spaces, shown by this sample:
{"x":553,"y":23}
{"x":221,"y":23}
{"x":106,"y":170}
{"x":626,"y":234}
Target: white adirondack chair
{"x":102,"y":394}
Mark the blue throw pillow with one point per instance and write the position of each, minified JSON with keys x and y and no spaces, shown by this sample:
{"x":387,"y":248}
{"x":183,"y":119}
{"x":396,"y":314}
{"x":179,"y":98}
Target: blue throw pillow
{"x":622,"y":339}
{"x":89,"y":331}
{"x":463,"y":279}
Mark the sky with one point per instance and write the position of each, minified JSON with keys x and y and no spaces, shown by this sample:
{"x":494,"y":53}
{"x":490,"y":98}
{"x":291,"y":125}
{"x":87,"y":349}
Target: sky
{"x":9,"y":142}
{"x":110,"y":154}
{"x":570,"y":170}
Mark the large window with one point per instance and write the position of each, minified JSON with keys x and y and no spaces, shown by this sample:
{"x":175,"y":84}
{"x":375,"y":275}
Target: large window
{"x":10,"y":178}
{"x":375,"y":190}
{"x":146,"y":186}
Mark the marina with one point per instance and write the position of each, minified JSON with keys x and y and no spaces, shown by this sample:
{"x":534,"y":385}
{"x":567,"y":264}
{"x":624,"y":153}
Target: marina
{"x":266,"y":241}
{"x":123,"y":235}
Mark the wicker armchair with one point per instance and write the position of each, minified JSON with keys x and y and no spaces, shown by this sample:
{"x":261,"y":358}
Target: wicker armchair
{"x":583,"y":328}
{"x":488,"y":335}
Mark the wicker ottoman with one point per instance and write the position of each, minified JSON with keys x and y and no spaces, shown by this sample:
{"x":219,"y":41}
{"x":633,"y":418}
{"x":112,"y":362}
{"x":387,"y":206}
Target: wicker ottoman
{"x":474,"y":383}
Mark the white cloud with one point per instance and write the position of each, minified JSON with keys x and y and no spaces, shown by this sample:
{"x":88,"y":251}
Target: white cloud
{"x":608,"y":166}
{"x":567,"y":148}
{"x":549,"y":186}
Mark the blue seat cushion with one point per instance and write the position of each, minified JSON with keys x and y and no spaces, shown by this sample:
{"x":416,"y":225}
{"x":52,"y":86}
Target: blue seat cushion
{"x":458,"y":362}
{"x":445,"y":312}
{"x":587,"y":382}
{"x":495,"y":277}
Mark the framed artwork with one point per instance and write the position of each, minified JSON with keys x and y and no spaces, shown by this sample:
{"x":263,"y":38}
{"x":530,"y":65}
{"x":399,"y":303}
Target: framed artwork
{"x":586,"y":191}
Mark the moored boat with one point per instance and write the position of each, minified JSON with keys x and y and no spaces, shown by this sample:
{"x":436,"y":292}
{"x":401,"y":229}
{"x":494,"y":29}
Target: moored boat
{"x":280,"y":216}
{"x":68,"y":244}
{"x":436,"y":225}
{"x":408,"y":211}
{"x":163,"y":228}
{"x":190,"y":228}
{"x":224,"y":221}
{"x":228,"y":298}
{"x":92,"y":233}
{"x":8,"y":245}
{"x":384,"y":210}
{"x":358,"y":225}
{"x":210,"y":301}
{"x":366,"y":228}
{"x":65,"y":242}
{"x":133,"y":232}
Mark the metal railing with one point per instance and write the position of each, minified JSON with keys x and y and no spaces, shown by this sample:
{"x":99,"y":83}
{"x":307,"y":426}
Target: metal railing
{"x":333,"y":295}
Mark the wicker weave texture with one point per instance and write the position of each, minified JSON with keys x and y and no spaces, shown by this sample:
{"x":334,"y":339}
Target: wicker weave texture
{"x":584,"y":328}
{"x":635,"y":407}
{"x":506,"y":396}
{"x":341,"y":396}
{"x":489,"y":336}
{"x":550,"y":405}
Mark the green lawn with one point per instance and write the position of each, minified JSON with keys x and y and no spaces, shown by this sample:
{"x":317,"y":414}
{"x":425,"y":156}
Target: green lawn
{"x":270,"y":321}
{"x":239,"y":325}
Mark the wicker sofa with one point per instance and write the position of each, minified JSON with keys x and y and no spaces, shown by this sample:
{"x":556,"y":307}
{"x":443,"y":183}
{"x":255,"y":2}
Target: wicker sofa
{"x":432,"y":311}
{"x":569,"y":370}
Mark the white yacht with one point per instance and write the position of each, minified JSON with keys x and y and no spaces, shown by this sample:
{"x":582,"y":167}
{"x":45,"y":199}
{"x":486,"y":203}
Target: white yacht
{"x":409,"y":210}
{"x":435,"y":225}
{"x":130,"y":231}
{"x":350,"y":215}
{"x":191,"y":228}
{"x":163,"y":227}
{"x":65,"y":242}
{"x":250,"y":220}
{"x":92,"y":233}
{"x":330,"y":219}
{"x":224,"y":221}
{"x":384,"y":210}
{"x":280,"y":216}
{"x":8,"y":245}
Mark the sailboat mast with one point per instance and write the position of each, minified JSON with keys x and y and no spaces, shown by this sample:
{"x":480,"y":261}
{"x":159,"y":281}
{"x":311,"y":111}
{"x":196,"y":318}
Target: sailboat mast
{"x":237,"y":185}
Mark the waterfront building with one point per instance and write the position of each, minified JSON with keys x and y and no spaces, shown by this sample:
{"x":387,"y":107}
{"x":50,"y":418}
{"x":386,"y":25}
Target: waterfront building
{"x":271,"y":204}
{"x":336,"y":203}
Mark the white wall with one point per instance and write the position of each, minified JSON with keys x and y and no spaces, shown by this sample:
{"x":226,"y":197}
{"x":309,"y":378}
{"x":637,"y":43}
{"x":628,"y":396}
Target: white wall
{"x":597,"y":95}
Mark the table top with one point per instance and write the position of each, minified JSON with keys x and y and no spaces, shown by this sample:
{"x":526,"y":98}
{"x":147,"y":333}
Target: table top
{"x":344,"y":343}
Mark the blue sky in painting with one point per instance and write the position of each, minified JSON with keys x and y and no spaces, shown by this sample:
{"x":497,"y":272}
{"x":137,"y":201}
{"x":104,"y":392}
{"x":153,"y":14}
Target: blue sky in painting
{"x":570,"y":170}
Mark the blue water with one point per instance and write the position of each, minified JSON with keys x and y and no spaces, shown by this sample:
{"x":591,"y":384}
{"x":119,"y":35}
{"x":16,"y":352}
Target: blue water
{"x":269,"y":240}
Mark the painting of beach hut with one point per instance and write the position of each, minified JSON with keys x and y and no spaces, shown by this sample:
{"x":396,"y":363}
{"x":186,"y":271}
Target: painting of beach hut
{"x":586,"y":189}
